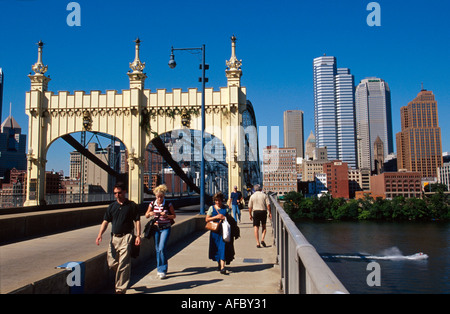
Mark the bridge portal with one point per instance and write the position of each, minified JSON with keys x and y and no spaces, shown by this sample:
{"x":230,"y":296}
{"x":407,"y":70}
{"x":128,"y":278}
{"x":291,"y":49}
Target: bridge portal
{"x":136,"y":117}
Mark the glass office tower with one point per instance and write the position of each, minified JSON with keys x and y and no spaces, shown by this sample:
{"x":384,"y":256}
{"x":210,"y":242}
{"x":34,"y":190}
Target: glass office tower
{"x":373,"y":119}
{"x":334,"y":110}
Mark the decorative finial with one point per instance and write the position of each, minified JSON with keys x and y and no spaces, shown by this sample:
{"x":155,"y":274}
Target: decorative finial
{"x":137,"y":66}
{"x":39,"y":68}
{"x":233,"y":64}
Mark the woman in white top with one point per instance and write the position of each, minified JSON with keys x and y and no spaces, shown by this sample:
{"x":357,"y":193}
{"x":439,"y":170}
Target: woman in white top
{"x":165,"y":214}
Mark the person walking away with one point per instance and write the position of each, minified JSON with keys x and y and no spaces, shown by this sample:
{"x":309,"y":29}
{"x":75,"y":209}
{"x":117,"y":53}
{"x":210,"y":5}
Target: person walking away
{"x":258,"y":206}
{"x":165,"y":215}
{"x":124,"y":216}
{"x":236,"y":198}
{"x":220,"y":251}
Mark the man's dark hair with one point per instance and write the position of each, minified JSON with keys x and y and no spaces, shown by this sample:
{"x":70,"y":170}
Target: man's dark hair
{"x":121,"y":185}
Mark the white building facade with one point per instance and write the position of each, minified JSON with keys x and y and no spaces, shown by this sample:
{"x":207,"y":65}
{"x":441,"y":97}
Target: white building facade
{"x":444,"y":174}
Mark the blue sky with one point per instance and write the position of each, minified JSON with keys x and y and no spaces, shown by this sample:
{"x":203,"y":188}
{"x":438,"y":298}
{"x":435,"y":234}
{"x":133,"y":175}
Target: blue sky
{"x":277,"y":42}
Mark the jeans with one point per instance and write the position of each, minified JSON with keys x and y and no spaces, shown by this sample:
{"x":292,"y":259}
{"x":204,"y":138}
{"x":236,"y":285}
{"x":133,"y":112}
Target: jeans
{"x":236,"y":212}
{"x":161,"y":238}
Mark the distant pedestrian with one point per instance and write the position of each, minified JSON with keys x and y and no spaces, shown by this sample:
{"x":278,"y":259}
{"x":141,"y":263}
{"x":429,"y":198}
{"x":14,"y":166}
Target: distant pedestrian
{"x":124,"y":217}
{"x":236,"y":199}
{"x":258,"y":205}
{"x":165,"y":215}
{"x":220,"y":251}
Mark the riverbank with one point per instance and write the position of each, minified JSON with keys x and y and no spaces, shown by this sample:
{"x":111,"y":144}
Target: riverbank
{"x":436,"y":207}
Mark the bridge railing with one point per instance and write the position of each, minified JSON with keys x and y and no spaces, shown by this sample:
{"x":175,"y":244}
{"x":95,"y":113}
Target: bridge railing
{"x":303,"y":271}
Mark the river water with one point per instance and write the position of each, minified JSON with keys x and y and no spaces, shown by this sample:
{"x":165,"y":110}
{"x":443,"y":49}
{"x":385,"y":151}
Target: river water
{"x":349,"y":247}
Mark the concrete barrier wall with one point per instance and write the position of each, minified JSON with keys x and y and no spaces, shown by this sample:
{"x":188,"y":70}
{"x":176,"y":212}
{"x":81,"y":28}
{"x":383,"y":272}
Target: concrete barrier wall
{"x":97,"y":275}
{"x":18,"y":226}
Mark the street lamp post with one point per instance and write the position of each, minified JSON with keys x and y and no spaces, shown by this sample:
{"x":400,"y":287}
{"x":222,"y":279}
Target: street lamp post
{"x":203,"y":67}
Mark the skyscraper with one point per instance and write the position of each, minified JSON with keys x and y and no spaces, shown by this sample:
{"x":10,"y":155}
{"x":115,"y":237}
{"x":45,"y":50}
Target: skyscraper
{"x":293,"y":131}
{"x":12,"y":146}
{"x":419,"y":146}
{"x":373,"y":119}
{"x":334,"y":110}
{"x":1,"y":93}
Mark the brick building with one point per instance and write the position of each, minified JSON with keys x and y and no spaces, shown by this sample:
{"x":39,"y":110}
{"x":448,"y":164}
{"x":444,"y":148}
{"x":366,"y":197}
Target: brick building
{"x":337,"y":178}
{"x":280,"y":172}
{"x":419,"y":146}
{"x":392,"y":184}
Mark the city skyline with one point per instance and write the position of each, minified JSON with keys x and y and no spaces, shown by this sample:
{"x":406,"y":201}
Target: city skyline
{"x":96,"y":55}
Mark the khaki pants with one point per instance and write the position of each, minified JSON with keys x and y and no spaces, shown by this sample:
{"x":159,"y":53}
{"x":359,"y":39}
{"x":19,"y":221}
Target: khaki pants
{"x":119,"y":260}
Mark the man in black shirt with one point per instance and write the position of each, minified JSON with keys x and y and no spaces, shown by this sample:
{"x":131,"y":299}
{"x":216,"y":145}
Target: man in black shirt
{"x":124,"y":217}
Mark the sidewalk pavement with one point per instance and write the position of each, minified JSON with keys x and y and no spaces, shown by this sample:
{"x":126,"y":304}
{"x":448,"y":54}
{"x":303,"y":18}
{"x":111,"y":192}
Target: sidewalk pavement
{"x":28,"y":261}
{"x":253,"y":270}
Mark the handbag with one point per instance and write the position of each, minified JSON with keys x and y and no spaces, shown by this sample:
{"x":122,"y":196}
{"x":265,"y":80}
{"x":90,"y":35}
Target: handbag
{"x":150,"y":228}
{"x":212,"y":226}
{"x":226,"y":231}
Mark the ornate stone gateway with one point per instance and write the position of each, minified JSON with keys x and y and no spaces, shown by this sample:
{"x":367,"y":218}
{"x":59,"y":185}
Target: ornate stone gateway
{"x":135,"y":117}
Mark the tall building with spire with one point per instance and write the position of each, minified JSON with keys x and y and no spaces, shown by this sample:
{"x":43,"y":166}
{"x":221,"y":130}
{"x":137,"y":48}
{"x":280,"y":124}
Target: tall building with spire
{"x":373,"y":119}
{"x":419,"y":145}
{"x":334,"y":110}
{"x":293,"y":131}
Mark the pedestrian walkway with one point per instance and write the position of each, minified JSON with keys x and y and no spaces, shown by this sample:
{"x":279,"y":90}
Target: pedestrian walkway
{"x":28,"y":261}
{"x":253,"y":271}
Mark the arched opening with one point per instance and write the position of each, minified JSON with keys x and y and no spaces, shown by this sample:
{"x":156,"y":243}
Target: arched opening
{"x":184,"y":147}
{"x":84,"y":167}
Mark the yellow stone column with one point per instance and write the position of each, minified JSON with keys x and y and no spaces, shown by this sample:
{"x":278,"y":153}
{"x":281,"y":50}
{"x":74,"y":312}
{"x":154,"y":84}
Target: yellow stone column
{"x":237,"y":104}
{"x":137,"y":138}
{"x":36,"y":109}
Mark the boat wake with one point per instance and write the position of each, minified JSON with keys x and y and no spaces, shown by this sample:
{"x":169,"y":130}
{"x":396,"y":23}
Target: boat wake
{"x":392,"y":254}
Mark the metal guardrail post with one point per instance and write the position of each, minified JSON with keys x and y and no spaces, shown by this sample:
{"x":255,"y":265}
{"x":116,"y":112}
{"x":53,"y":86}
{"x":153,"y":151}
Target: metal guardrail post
{"x":303,"y":271}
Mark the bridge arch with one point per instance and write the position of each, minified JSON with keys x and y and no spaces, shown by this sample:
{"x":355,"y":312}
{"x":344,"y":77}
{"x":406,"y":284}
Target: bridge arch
{"x":94,"y":167}
{"x":135,"y":116}
{"x":184,"y":149}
